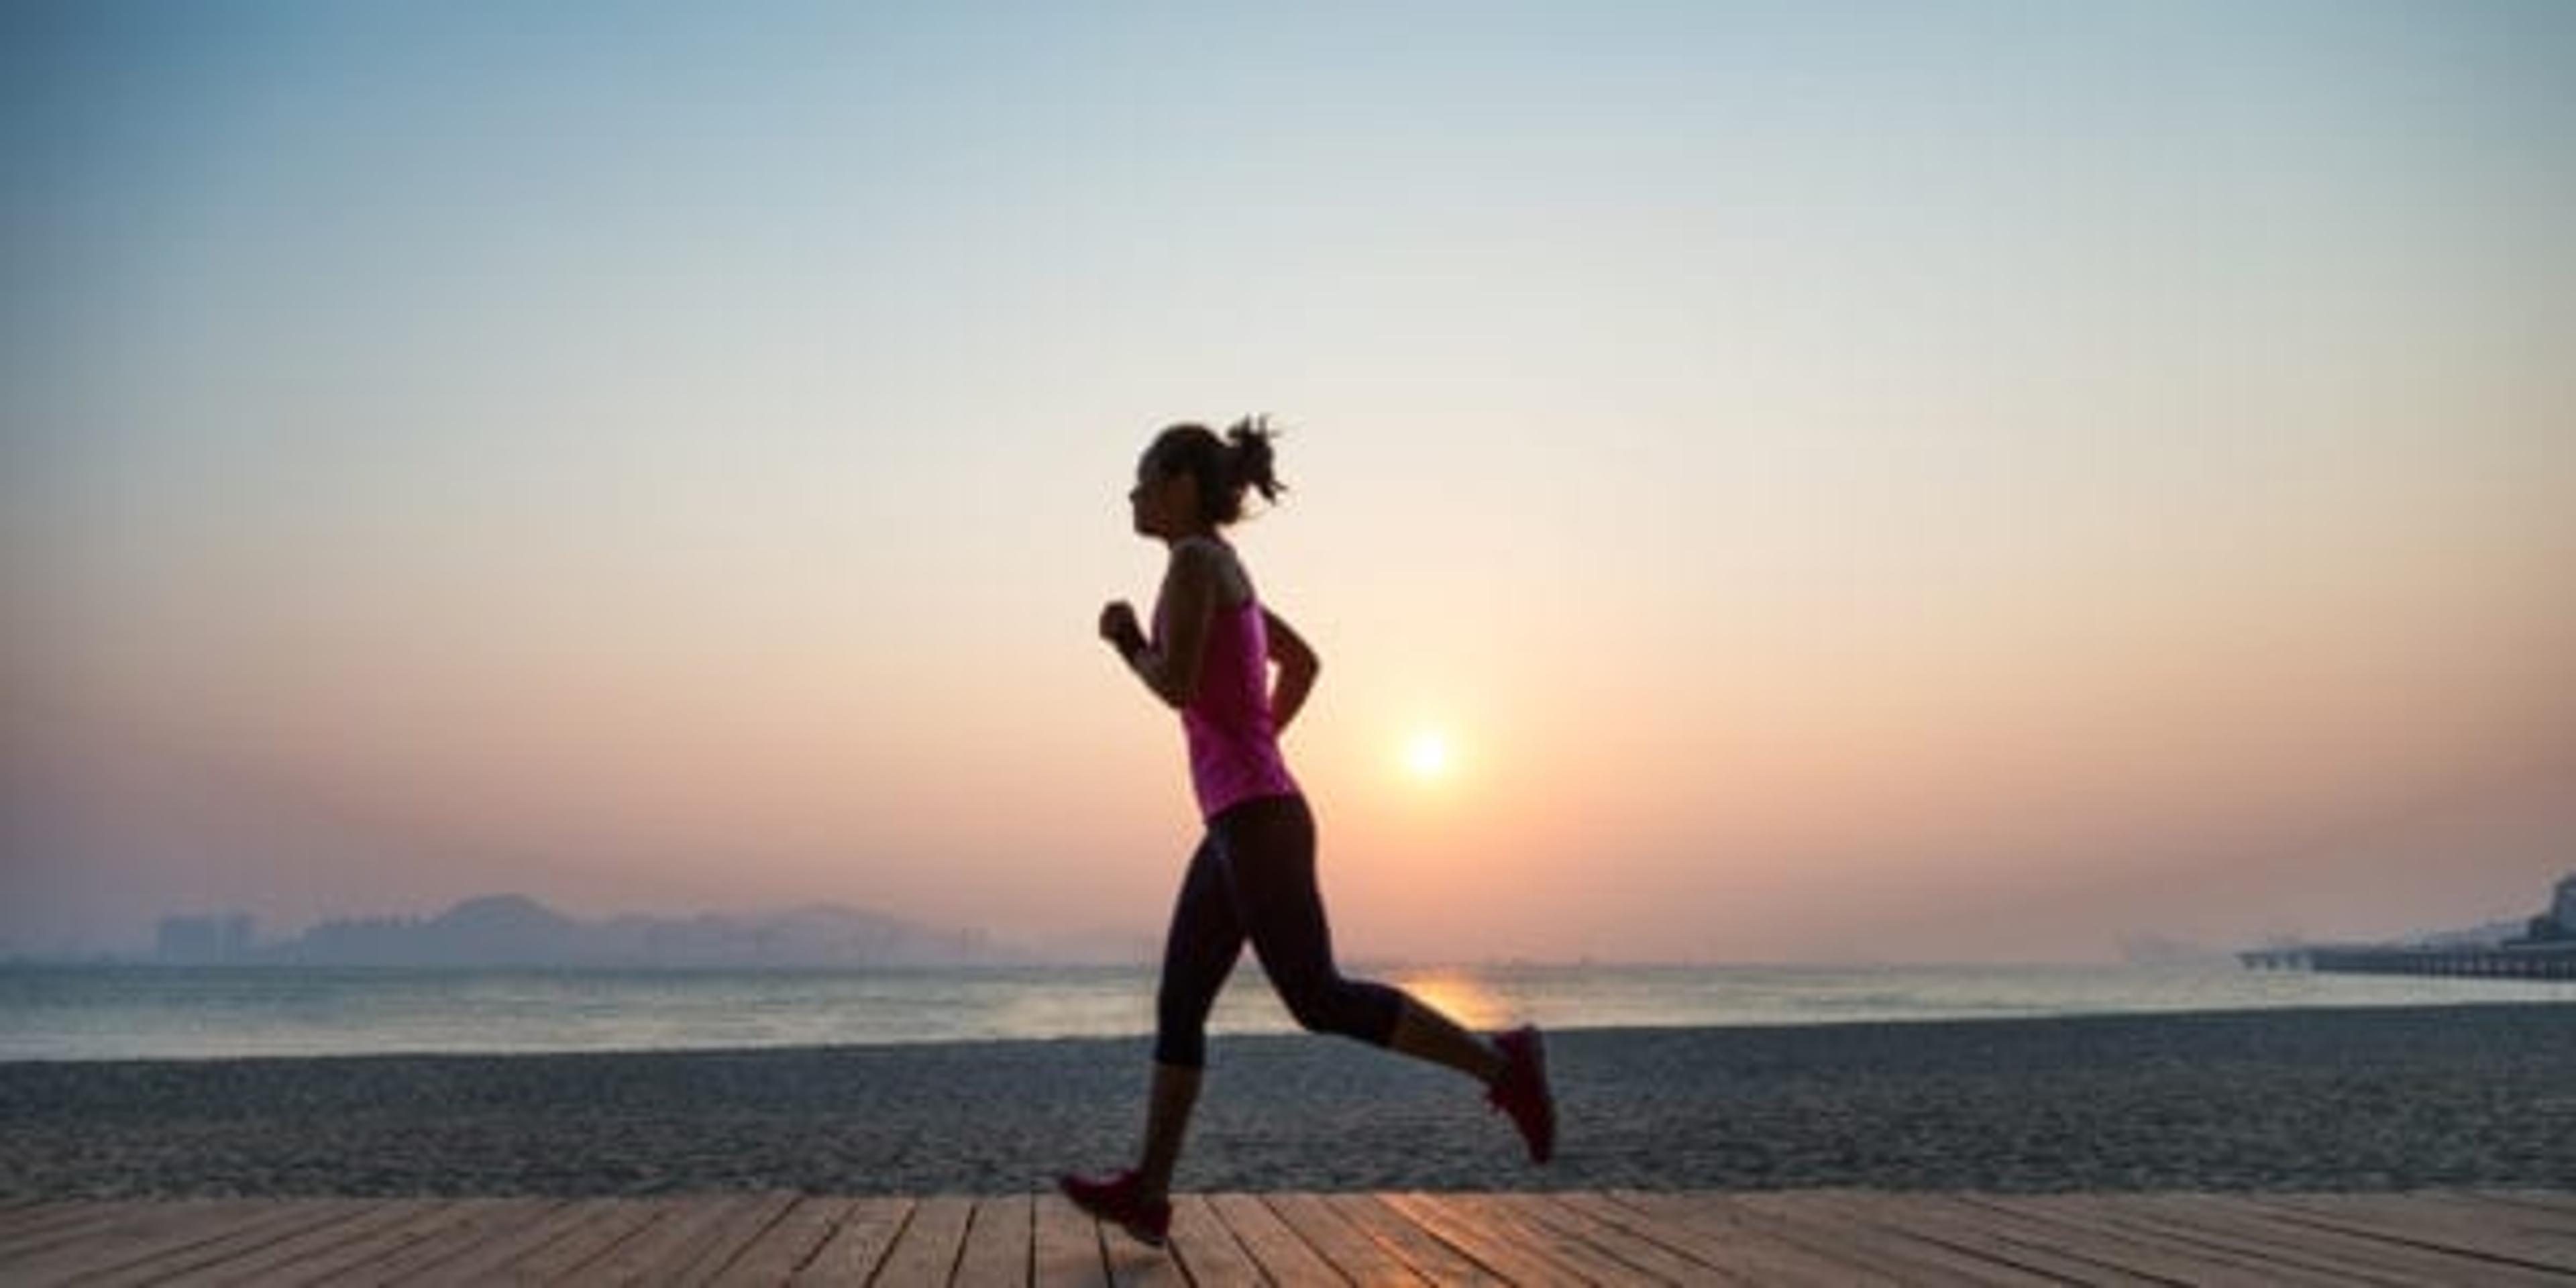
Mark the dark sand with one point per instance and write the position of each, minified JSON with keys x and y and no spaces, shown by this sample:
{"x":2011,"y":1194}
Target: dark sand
{"x":2322,"y":1099}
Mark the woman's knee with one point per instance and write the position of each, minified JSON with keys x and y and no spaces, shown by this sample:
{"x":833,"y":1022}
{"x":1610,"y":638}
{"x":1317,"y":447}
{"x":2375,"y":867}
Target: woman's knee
{"x":1180,"y":1043}
{"x":1352,"y":1008}
{"x":1179,"y":1020}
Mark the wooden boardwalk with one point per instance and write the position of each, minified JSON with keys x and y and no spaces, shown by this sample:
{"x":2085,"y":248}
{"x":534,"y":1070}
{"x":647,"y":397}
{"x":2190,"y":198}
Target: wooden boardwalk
{"x":2502,"y":1237}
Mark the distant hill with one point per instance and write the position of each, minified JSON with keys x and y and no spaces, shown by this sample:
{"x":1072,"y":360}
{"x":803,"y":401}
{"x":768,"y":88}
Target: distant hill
{"x":515,"y":930}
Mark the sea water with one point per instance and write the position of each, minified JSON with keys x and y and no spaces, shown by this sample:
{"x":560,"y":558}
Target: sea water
{"x":105,"y":1012}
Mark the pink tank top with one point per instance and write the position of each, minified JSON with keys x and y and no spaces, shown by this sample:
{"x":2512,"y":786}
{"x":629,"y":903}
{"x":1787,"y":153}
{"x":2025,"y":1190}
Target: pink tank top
{"x":1234,"y":747}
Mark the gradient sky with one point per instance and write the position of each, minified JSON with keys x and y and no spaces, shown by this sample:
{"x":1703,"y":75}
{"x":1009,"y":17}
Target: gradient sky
{"x":1849,"y":481}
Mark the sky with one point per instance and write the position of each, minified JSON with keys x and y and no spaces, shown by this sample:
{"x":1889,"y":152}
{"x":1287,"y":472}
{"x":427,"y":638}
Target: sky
{"x":1836,"y":482}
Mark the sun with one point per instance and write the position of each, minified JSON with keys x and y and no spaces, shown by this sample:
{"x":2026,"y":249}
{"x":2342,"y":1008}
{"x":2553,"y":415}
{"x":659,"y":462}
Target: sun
{"x":1427,"y":755}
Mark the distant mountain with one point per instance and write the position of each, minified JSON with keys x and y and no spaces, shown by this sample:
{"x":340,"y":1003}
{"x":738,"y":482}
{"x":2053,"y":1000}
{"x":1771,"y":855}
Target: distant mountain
{"x":515,"y":930}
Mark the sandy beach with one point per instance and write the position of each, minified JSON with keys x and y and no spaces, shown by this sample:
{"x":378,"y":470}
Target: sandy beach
{"x":2311,"y":1099}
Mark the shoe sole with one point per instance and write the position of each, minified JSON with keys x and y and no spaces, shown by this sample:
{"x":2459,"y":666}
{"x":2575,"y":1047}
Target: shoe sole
{"x":1143,"y":1236}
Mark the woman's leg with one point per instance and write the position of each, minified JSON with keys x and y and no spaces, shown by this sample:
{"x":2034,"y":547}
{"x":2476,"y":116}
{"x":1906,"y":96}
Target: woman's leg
{"x":1269,"y":850}
{"x":1198,"y":953}
{"x":1425,"y":1034}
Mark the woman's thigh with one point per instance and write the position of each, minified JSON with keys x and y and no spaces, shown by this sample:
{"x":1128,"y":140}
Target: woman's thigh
{"x":1206,"y":935}
{"x":1269,"y":850}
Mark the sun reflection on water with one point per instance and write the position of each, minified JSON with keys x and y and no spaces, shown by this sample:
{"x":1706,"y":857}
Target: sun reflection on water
{"x":1458,"y":995}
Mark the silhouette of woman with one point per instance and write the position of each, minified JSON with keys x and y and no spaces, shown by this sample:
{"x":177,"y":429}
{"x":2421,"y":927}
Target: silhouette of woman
{"x":1253,"y":875}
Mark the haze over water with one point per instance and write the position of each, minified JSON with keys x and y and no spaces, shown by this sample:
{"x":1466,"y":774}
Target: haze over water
{"x":89,"y":1013}
{"x":1834,"y":482}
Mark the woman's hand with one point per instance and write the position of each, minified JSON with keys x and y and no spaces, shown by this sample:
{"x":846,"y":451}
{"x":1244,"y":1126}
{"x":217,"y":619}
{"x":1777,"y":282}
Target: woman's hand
{"x":1118,"y":626}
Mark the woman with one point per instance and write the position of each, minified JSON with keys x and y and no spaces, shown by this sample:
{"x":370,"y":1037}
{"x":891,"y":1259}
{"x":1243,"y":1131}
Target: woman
{"x":1253,"y":876}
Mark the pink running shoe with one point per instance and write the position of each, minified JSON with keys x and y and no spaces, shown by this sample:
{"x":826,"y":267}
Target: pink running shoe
{"x":1114,"y":1198}
{"x":1522,"y":1091}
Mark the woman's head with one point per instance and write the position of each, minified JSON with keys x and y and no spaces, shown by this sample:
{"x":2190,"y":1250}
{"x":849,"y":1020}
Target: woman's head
{"x":1190,"y":479}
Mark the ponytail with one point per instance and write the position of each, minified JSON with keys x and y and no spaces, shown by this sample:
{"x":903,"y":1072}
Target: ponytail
{"x":1248,"y":458}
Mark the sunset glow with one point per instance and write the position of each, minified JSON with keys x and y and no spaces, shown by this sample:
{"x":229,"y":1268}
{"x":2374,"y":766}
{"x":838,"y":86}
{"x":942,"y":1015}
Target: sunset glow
{"x":1427,"y":755}
{"x":1764,"y":482}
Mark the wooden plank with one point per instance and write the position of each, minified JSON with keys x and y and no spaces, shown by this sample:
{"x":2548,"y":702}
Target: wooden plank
{"x":1802,"y":1217}
{"x":1206,"y":1250}
{"x":442,"y":1230}
{"x":287,"y":1219}
{"x":1282,"y":1257}
{"x":589,"y":1239}
{"x":1723,"y":1261}
{"x":861,"y":1237}
{"x":997,"y":1243}
{"x":1136,"y":1265}
{"x":1918,"y":1217}
{"x":34,"y":1218}
{"x":95,"y":1218}
{"x":1354,"y":1255}
{"x":1499,"y":1251}
{"x":1408,"y":1242}
{"x":2092,"y":1232}
{"x":2369,"y":1244}
{"x":1708,"y":1215}
{"x":472,"y":1249}
{"x":1548,"y":1212}
{"x":741,"y":1220}
{"x":273,"y":1261}
{"x":1719,"y":1238}
{"x":1510,"y":1217}
{"x":60,"y":1223}
{"x":1738,"y":1253}
{"x":2559,"y":1201}
{"x":2120,"y":1214}
{"x":137,"y":1232}
{"x":2314,"y":1249}
{"x":1065,"y":1249}
{"x":925,"y":1250}
{"x":2555,"y":1219}
{"x":2536,"y":1239}
{"x":668,"y":1238}
{"x":2400,"y":1235}
{"x":16,"y":1211}
{"x":789,"y":1242}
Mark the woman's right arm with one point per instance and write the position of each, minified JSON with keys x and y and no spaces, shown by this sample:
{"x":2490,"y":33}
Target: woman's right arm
{"x":1297,"y":667}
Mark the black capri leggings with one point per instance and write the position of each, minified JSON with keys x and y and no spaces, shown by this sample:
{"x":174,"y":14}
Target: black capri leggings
{"x":1254,"y":877}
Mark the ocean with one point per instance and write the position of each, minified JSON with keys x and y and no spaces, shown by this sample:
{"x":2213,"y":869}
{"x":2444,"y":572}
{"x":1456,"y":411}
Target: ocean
{"x":117,"y":1012}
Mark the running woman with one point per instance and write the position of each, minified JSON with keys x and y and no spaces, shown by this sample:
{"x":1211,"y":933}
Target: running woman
{"x":1253,"y":875}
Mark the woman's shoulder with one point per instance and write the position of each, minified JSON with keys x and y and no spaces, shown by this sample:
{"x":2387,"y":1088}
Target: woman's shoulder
{"x":1221,"y":563}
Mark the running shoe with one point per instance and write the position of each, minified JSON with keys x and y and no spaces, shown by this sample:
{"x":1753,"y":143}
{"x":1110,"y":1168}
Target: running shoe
{"x":1522,"y":1091}
{"x":1114,"y":1198}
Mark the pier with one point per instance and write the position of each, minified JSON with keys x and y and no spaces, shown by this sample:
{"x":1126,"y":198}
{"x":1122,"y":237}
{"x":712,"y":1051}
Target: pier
{"x":2546,"y":951}
{"x":2556,"y":961}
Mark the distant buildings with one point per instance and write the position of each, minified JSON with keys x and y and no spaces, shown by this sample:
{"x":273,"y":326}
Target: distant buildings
{"x":2547,"y":950}
{"x":200,"y":941}
{"x":2557,"y":925}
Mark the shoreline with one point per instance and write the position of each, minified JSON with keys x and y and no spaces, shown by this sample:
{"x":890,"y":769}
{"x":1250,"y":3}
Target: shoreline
{"x":2285,"y":1013}
{"x":2324,"y":1098}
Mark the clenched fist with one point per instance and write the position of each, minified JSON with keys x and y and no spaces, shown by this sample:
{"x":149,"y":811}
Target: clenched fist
{"x":1118,"y":626}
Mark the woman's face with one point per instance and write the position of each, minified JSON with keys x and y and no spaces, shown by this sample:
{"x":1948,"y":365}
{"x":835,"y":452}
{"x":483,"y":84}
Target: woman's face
{"x":1159,"y":504}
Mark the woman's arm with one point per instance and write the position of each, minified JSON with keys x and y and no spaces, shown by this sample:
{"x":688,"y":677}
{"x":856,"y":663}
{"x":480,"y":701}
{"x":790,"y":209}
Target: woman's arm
{"x":1297,"y":668}
{"x":1189,"y":600}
